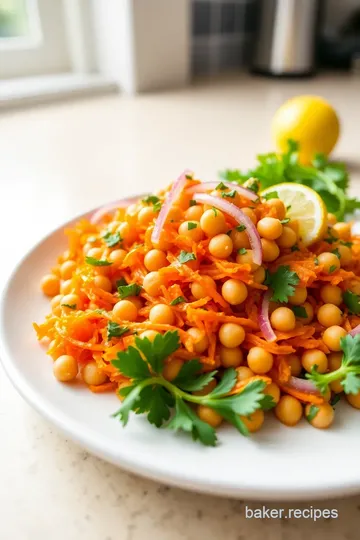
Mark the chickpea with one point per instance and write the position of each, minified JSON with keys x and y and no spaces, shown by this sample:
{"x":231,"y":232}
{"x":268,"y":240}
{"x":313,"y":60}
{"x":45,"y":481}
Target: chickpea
{"x":208,"y":415}
{"x":161,"y":314}
{"x":117,"y":256}
{"x":334,"y":362}
{"x":329,"y":315}
{"x":136,"y":300}
{"x":55,"y":303}
{"x":152,"y":283}
{"x":65,"y":368}
{"x":309,"y":311}
{"x":194,"y":213}
{"x":234,"y":291}
{"x":155,"y":259}
{"x":171,"y":369}
{"x":103,"y":283}
{"x":289,"y":410}
{"x":199,"y":338}
{"x":314,"y":357}
{"x":332,"y":219}
{"x":250,"y":214}
{"x":331,"y":337}
{"x":59,"y":351}
{"x":146,"y":215}
{"x":298,"y":297}
{"x":247,"y":258}
{"x":279,"y":207}
{"x":125,"y":310}
{"x":91,"y":374}
{"x":50,"y":285}
{"x":231,"y":335}
{"x":244,"y":373}
{"x":269,"y":228}
{"x":231,"y":357}
{"x":259,"y":275}
{"x":295,"y":364}
{"x":212,"y":222}
{"x":163,"y":243}
{"x":240,"y":239}
{"x":192,"y":230}
{"x":331,"y":294}
{"x":345,"y":255}
{"x":67,"y":269}
{"x":288,"y":238}
{"x":283,"y":319}
{"x":221,"y":246}
{"x":259,"y":360}
{"x":175,"y":214}
{"x":95,"y":253}
{"x":354,"y":286}
{"x":66,"y":287}
{"x":255,"y":421}
{"x":127,"y":232}
{"x":324,"y":416}
{"x":198,"y":290}
{"x":70,"y":300}
{"x":149,"y":334}
{"x":207,"y":389}
{"x":354,"y":400}
{"x":330,"y":262}
{"x":273,"y":390}
{"x":343,"y":230}
{"x":270,"y":250}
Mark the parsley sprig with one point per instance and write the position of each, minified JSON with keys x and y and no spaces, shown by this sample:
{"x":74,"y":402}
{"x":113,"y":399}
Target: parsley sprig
{"x":282,"y":282}
{"x":348,"y":372}
{"x":329,"y":179}
{"x":167,"y":403}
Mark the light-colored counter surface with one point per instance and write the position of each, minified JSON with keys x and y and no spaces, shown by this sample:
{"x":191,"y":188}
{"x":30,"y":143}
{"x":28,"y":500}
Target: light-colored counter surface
{"x":58,"y":161}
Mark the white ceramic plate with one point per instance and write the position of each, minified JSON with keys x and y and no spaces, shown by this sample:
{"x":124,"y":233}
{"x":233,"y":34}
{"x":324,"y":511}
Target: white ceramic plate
{"x":277,"y":463}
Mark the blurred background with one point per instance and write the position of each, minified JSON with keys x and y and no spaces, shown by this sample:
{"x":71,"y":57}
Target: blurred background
{"x":59,"y":46}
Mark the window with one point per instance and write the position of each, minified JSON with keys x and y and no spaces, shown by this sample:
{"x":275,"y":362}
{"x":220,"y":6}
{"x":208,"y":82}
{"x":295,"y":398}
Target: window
{"x":33,"y":38}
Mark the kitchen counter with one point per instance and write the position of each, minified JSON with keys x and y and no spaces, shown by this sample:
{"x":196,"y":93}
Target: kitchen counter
{"x":58,"y":161}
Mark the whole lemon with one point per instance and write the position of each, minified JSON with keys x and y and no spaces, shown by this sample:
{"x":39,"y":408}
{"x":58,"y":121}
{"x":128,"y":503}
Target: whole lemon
{"x":309,"y":120}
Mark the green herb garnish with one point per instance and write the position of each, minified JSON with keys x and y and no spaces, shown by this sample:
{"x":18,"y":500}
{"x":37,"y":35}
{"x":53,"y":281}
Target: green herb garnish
{"x":231,"y":194}
{"x":299,"y":311}
{"x":167,"y":403}
{"x":312,"y":413}
{"x":284,"y":221}
{"x":115,"y":330}
{"x":271,"y":195}
{"x":242,"y":251}
{"x":332,"y":268}
{"x":240,"y":228}
{"x":112,"y":239}
{"x":70,"y":306}
{"x":97,"y":262}
{"x":282,"y":282}
{"x":178,"y":300}
{"x":185,"y":257}
{"x":192,"y":202}
{"x":352,"y":301}
{"x":133,"y":289}
{"x":221,"y":186}
{"x":151,"y":199}
{"x":191,"y":225}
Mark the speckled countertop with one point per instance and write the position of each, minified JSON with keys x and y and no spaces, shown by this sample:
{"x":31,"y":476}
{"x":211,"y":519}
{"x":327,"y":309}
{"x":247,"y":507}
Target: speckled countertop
{"x":51,"y":488}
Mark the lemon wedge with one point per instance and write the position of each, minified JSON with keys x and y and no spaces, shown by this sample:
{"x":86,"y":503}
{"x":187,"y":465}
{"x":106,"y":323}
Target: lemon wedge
{"x":305,"y":206}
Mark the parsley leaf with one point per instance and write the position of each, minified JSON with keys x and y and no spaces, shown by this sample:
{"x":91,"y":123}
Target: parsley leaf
{"x":151,"y":199}
{"x":352,"y":301}
{"x":112,"y":240}
{"x":221,"y":186}
{"x":332,"y":268}
{"x":242,"y":251}
{"x":294,"y":248}
{"x":284,"y":221}
{"x":214,"y":210}
{"x":348,"y":372}
{"x":191,"y":225}
{"x":157,"y":207}
{"x":336,"y":252}
{"x":97,"y":262}
{"x":133,"y":289}
{"x":282,"y":282}
{"x":178,"y":300}
{"x":299,"y":311}
{"x":347,"y":244}
{"x":70,"y":306}
{"x":185,"y":257}
{"x":231,"y":194}
{"x":115,"y":330}
{"x":192,"y":202}
{"x":150,"y":393}
{"x":240,"y":228}
{"x":335,"y":400}
{"x":313,"y":410}
{"x":271,"y":195}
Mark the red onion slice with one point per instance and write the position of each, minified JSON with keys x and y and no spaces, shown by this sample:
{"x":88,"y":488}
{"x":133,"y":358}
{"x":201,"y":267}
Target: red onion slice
{"x":263,"y":318}
{"x":205,"y":186}
{"x":240,"y":217}
{"x":108,"y":208}
{"x":171,"y":198}
{"x":303,"y":385}
{"x":355,"y":331}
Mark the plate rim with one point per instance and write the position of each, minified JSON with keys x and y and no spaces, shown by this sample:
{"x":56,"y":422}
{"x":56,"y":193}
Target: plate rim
{"x":96,"y":446}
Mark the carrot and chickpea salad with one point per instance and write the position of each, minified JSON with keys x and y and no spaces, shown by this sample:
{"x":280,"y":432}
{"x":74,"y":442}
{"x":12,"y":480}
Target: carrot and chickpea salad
{"x":201,"y":304}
